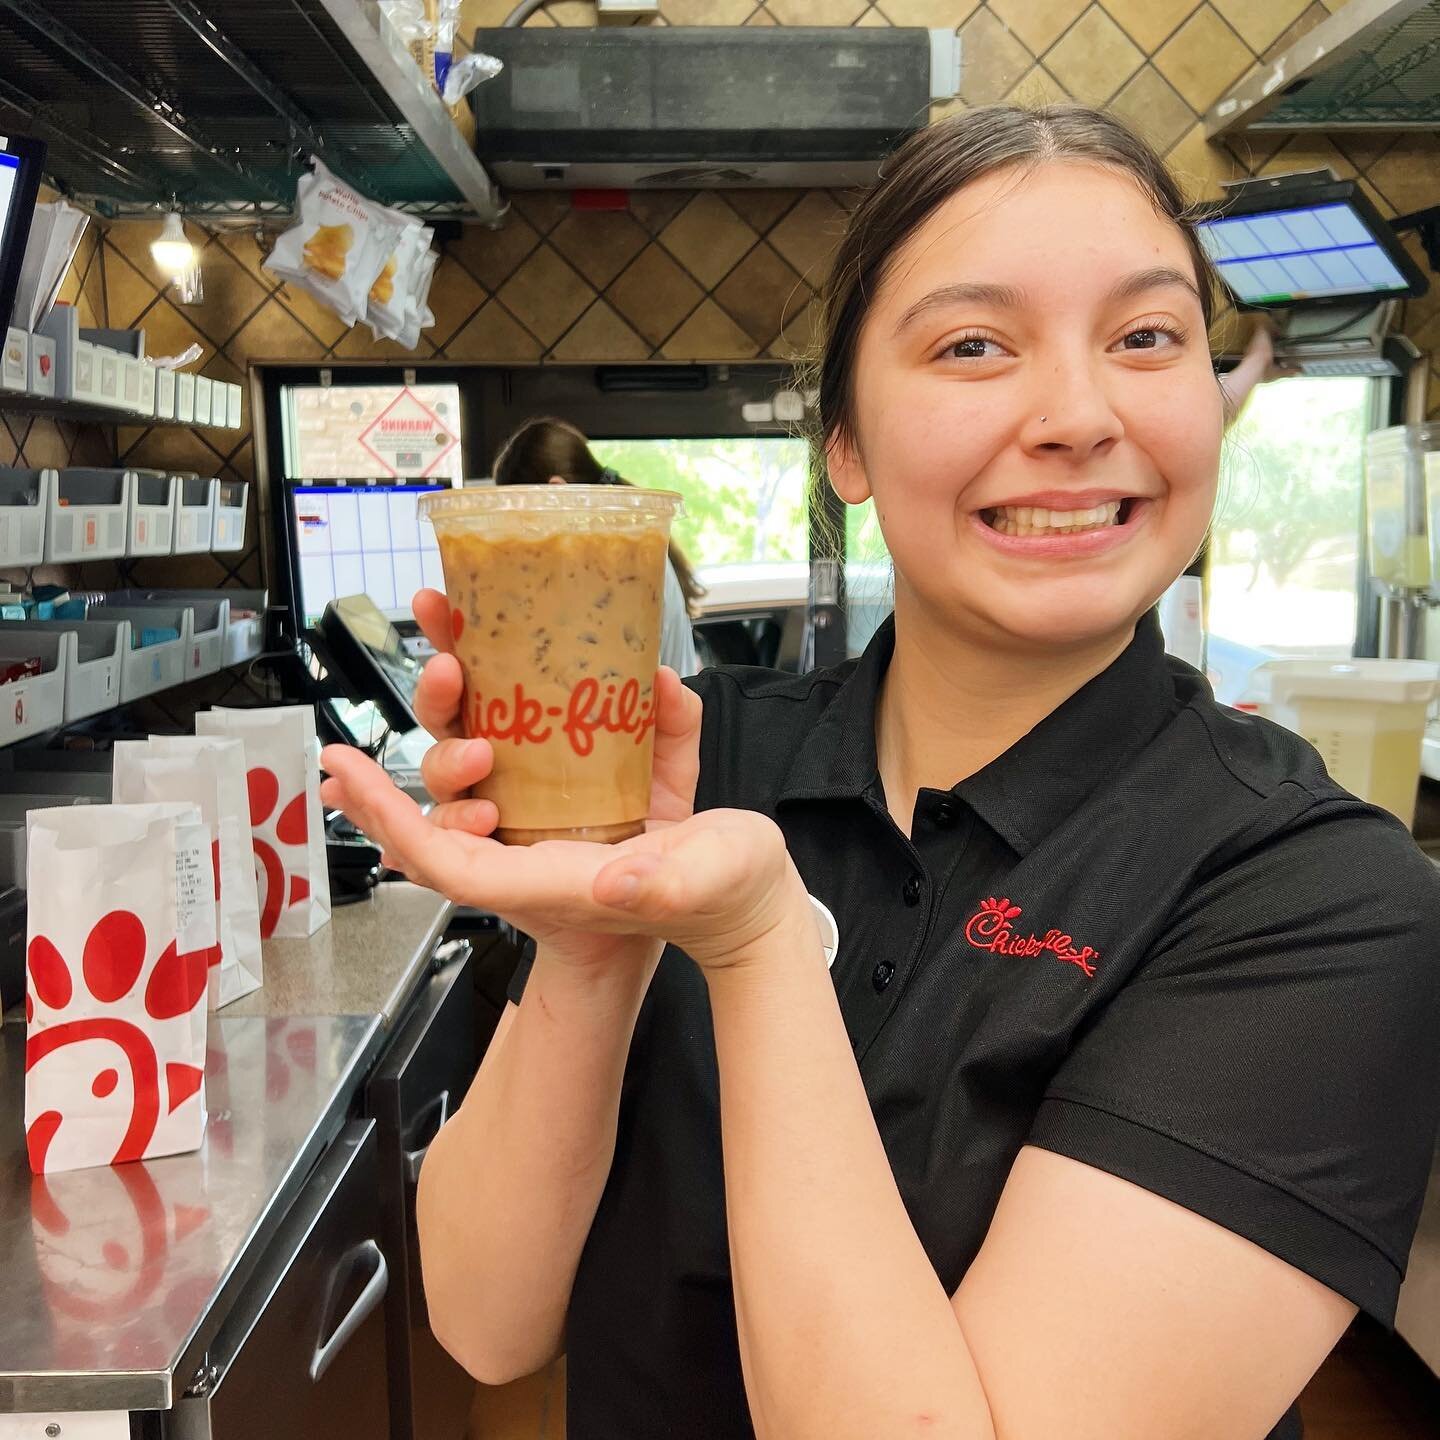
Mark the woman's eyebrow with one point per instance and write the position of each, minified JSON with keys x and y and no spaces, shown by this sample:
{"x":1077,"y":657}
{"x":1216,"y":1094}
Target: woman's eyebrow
{"x":974,"y":292}
{"x":1008,"y":297}
{"x":1158,"y":277}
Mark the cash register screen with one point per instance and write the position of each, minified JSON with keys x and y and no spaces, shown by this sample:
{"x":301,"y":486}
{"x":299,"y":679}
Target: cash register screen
{"x":1311,"y":252}
{"x":361,"y":540}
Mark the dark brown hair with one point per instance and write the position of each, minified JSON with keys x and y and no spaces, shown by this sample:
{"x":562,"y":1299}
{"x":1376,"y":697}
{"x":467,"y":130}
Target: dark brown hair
{"x":547,"y":446}
{"x":933,"y":165}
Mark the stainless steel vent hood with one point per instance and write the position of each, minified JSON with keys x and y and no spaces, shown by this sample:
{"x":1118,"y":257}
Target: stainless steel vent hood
{"x":696,"y":106}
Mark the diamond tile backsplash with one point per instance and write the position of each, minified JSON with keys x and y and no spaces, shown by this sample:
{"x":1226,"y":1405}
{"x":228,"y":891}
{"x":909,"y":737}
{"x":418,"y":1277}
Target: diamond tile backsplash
{"x":722,"y":275}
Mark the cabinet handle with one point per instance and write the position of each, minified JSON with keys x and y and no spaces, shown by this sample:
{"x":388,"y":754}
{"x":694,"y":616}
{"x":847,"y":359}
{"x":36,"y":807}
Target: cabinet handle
{"x":359,"y":1312}
{"x":414,"y":1159}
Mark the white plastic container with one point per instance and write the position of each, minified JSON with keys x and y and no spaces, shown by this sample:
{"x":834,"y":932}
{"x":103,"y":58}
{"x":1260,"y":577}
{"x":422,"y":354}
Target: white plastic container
{"x":144,"y":670}
{"x":15,"y":360}
{"x":1365,"y":717}
{"x":200,"y":625}
{"x":204,"y":389}
{"x":36,"y":703}
{"x":164,"y":394}
{"x":91,"y":655}
{"x":42,"y":365}
{"x":1401,"y":540}
{"x":88,"y":517}
{"x":24,"y":509}
{"x":146,"y":372}
{"x":184,"y":397}
{"x":77,"y":375}
{"x":234,"y":405}
{"x":244,"y":615}
{"x":194,"y":514}
{"x":152,"y":513}
{"x":231,"y":499}
{"x":107,"y":367}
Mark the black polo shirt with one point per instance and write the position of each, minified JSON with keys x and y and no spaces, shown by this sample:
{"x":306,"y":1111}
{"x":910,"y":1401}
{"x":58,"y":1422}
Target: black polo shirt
{"x":1152,"y":936}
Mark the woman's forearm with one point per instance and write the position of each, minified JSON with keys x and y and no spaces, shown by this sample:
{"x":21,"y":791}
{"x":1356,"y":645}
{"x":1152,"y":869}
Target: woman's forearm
{"x":510,"y":1186}
{"x":845,"y":1329}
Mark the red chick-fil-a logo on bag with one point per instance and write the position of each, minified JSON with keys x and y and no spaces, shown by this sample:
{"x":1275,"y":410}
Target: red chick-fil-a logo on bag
{"x":989,"y":928}
{"x":618,"y":710}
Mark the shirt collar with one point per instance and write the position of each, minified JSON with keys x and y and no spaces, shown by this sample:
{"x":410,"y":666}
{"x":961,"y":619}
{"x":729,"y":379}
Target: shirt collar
{"x":1041,"y":779}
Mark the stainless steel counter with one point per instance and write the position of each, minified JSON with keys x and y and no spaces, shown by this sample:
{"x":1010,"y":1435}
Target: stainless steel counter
{"x":110,"y":1276}
{"x":109,"y":1273}
{"x":367,"y":961}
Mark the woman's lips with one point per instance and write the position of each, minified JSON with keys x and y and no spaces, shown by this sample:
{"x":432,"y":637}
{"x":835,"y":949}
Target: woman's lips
{"x":1075,"y":545}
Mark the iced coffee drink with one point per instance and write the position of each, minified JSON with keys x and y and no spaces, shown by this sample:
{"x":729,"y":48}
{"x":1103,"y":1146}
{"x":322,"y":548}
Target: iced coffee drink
{"x":555,"y":597}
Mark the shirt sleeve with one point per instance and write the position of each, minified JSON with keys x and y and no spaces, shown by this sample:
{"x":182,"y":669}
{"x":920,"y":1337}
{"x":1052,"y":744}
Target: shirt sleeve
{"x":1273,"y":1064}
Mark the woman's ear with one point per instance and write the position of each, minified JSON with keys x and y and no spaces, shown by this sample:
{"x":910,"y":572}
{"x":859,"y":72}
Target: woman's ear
{"x":847,"y":470}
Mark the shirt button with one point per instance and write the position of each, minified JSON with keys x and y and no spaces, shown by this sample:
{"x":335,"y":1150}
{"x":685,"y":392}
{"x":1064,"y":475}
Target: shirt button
{"x":910,"y":890}
{"x":945,"y":815}
{"x":882,"y":975}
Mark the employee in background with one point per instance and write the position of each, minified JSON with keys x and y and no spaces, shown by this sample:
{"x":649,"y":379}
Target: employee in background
{"x":552,"y":452}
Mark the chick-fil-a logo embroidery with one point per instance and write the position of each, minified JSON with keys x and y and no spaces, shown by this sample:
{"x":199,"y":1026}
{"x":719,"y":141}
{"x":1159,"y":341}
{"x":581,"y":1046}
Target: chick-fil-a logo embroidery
{"x":990,"y":928}
{"x":524,"y":720}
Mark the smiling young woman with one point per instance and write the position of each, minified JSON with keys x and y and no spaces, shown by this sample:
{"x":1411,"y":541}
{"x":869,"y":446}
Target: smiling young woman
{"x":1120,"y":1092}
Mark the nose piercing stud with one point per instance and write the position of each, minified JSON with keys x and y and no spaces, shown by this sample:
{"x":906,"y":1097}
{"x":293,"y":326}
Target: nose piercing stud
{"x":1042,"y":419}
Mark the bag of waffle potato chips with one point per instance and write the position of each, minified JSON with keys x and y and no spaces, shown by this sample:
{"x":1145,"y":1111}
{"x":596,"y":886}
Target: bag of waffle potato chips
{"x":392,"y":296}
{"x":338,"y":245}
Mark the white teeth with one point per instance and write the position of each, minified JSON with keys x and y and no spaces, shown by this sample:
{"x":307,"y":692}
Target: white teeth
{"x":1033,"y":520}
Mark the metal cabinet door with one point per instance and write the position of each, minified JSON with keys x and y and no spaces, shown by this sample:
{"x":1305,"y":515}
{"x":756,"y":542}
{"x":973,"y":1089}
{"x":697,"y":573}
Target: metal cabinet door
{"x":302,"y":1352}
{"x":418,"y":1084}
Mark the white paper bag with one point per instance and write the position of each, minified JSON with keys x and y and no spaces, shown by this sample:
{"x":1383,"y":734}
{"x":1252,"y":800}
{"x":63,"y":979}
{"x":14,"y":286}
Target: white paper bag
{"x":210,"y":772}
{"x":121,"y":920}
{"x":282,"y":772}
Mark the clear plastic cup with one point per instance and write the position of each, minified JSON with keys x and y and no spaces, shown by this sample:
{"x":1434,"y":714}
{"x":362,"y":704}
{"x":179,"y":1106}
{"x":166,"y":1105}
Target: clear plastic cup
{"x":555,"y":594}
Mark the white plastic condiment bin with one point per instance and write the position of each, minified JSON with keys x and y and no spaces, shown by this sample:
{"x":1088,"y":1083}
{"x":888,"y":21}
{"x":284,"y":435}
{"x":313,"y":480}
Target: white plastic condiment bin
{"x":194,"y":514}
{"x":164,"y":394}
{"x":88,"y":515}
{"x":152,"y":513}
{"x":24,"y":508}
{"x":42,"y":365}
{"x":15,"y":360}
{"x":231,"y":499}
{"x":36,"y":703}
{"x":92,"y":657}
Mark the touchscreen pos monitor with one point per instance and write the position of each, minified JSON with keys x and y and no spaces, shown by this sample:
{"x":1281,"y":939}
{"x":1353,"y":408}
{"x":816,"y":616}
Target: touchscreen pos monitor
{"x":1307,"y":241}
{"x":21,"y":160}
